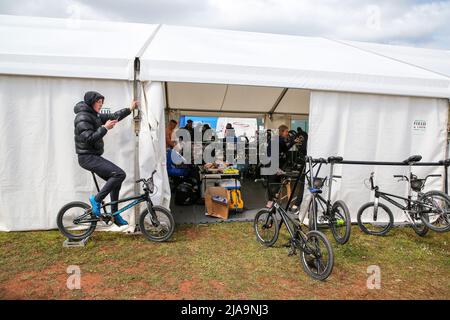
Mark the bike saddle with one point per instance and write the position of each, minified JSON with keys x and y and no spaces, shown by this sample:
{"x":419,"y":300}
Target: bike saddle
{"x":412,"y":159}
{"x":335,"y":159}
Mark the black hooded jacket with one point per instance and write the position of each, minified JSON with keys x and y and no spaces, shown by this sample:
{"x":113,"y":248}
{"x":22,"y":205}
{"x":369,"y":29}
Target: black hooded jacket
{"x":89,"y":130}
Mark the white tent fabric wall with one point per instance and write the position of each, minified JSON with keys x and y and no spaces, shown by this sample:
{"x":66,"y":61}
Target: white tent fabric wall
{"x":39,"y":171}
{"x":376,"y":128}
{"x":152,"y":143}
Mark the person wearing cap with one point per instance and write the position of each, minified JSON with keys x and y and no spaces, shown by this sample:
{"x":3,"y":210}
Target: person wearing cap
{"x":90,"y":128}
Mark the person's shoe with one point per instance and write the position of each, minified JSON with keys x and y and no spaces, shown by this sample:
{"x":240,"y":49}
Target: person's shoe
{"x":95,"y":206}
{"x":118,"y":220}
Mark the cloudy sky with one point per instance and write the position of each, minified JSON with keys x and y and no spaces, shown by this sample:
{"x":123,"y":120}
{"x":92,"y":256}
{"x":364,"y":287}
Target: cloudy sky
{"x":406,"y":22}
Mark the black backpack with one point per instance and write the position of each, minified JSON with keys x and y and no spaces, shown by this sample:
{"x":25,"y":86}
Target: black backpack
{"x":187,"y":192}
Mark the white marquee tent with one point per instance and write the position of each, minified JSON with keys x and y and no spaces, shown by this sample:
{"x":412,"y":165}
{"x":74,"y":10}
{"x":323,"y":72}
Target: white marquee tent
{"x":362,"y":100}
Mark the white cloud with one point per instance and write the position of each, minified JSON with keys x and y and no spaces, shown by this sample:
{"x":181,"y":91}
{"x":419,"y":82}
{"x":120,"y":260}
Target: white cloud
{"x":410,"y":22}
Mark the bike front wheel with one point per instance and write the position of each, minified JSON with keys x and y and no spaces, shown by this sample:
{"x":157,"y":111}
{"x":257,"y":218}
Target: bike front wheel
{"x":266,"y":227}
{"x":375,"y":223}
{"x":317,"y":256}
{"x":158,"y":225}
{"x":340,"y":222}
{"x":76,"y":221}
{"x":436,"y":211}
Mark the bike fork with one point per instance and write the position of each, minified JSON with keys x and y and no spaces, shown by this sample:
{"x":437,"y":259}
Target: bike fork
{"x":152,"y":213}
{"x":375,"y":207}
{"x":314,"y":212}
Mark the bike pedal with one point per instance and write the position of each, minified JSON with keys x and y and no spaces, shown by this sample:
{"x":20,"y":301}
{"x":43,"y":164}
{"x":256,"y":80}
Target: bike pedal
{"x":292,"y":251}
{"x":107,"y":219}
{"x":287,"y":245}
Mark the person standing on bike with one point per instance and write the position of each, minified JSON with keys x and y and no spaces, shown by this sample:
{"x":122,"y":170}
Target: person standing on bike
{"x":90,"y":128}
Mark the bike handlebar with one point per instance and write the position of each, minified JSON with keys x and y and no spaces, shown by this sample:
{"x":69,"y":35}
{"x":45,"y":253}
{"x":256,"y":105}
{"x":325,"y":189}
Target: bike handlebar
{"x":432,"y":176}
{"x":372,"y":185}
{"x":413,"y":177}
{"x":331,"y":160}
{"x":148,"y":183}
{"x":320,"y":160}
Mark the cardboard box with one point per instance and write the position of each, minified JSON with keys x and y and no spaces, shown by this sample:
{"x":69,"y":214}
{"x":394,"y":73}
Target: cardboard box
{"x":213,"y":208}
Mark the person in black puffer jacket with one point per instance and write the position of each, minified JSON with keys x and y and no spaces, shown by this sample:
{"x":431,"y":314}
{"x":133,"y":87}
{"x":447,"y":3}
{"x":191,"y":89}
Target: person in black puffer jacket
{"x":90,"y":128}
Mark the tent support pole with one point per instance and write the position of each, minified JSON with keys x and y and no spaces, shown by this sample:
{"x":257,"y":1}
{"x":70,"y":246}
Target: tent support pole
{"x":275,"y":106}
{"x":137,"y":128}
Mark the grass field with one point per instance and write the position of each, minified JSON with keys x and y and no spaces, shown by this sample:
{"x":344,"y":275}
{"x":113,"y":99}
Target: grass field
{"x":220,"y":261}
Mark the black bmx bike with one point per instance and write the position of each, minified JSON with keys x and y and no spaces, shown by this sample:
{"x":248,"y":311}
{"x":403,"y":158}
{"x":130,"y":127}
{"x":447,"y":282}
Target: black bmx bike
{"x":316,"y":254}
{"x":323,"y":211}
{"x":430,"y":210}
{"x":76,"y":220}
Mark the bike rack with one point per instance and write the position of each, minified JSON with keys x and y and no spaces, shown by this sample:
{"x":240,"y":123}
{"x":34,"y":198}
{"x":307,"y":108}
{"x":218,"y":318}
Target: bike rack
{"x":68,"y":243}
{"x":416,"y":164}
{"x":377,"y":163}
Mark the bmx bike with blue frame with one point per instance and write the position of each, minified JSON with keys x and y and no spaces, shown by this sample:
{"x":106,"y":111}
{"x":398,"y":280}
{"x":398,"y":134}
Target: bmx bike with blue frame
{"x":76,"y":220}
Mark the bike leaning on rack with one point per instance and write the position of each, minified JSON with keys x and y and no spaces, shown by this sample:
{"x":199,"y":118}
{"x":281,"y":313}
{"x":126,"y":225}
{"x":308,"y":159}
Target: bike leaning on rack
{"x":316,"y":254}
{"x":76,"y":220}
{"x":321,"y":210}
{"x":430,"y":210}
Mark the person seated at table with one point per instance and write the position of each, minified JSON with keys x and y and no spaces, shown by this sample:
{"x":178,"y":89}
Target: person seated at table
{"x":227,"y":148}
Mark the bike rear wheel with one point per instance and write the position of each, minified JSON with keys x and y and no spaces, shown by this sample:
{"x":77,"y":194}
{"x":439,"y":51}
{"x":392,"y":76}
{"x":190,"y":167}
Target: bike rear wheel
{"x":158,"y":225}
{"x":378,"y":225}
{"x":340,"y":222}
{"x":436,"y":218}
{"x":266,"y":227}
{"x":317,"y":256}
{"x":76,"y":221}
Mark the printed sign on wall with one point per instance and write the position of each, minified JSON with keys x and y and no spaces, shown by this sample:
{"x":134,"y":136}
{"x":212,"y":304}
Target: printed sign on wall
{"x":419,"y":126}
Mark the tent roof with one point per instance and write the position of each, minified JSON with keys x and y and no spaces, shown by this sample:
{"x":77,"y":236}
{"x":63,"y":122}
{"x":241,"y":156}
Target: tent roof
{"x":98,"y":49}
{"x":437,"y":61}
{"x":188,"y":54}
{"x":70,"y":48}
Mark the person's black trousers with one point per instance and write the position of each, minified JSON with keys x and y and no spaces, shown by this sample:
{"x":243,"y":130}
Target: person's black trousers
{"x":108,"y":171}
